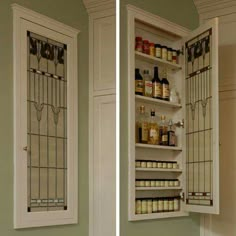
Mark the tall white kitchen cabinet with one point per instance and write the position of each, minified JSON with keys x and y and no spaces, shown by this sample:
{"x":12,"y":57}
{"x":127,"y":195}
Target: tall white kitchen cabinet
{"x":196,"y":116}
{"x":102,"y":118}
{"x":224,"y":224}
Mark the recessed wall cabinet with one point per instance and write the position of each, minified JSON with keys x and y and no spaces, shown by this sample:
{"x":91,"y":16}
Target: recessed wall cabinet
{"x":45,"y":121}
{"x":192,"y":185}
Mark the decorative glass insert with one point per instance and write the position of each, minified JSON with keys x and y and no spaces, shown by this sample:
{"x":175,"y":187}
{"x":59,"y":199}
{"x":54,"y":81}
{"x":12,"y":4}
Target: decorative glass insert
{"x":199,"y":129}
{"x":47,"y":124}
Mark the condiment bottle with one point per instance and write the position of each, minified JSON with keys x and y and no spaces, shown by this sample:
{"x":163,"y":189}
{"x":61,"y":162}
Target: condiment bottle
{"x":147,"y":84}
{"x":156,"y":85}
{"x":139,"y":44}
{"x":164,"y":52}
{"x":138,"y":82}
{"x":165,"y":87}
{"x":158,"y":50}
{"x":174,"y":56}
{"x":169,"y":54}
{"x":153,"y":129}
{"x":146,"y":46}
{"x":163,"y":129}
{"x":171,"y":134}
{"x":152,"y":49}
{"x":142,"y":126}
{"x":138,"y":206}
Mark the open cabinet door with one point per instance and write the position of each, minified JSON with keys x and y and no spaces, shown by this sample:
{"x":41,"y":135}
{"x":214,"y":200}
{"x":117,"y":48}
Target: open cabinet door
{"x":202,"y":120}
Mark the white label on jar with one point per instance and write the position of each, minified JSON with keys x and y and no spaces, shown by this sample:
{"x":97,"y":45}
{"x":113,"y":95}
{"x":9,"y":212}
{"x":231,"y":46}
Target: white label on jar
{"x":144,"y":207}
{"x":171,"y":183}
{"x":137,"y":164}
{"x":138,"y":207}
{"x":149,"y":164}
{"x":154,"y":206}
{"x":164,"y":165}
{"x":137,"y":183}
{"x":176,"y":183}
{"x":153,"y":183}
{"x":158,"y":183}
{"x":166,"y":205}
{"x":158,"y":52}
{"x":144,"y":164}
{"x":160,"y":205}
{"x":169,"y":165}
{"x":162,"y":183}
{"x":142,"y":183}
{"x":160,"y":165}
{"x":166,"y":183}
{"x":149,"y":206}
{"x":154,"y":164}
{"x":164,"y":53}
{"x":175,"y":165}
{"x":147,"y":183}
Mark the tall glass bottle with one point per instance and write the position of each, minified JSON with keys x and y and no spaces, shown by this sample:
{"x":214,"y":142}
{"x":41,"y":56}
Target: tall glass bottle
{"x":153,"y":131}
{"x":147,"y":83}
{"x":138,"y":82}
{"x":171,"y":134}
{"x":142,"y":126}
{"x":165,"y":87}
{"x":163,"y":130}
{"x":156,"y":85}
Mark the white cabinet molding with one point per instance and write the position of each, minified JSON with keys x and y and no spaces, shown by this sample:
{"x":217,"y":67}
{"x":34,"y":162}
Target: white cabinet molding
{"x":214,"y":8}
{"x":26,"y":22}
{"x":99,"y":5}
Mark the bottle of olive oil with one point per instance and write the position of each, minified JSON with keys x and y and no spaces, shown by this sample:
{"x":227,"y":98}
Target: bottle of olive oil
{"x":142,"y":126}
{"x":153,"y":131}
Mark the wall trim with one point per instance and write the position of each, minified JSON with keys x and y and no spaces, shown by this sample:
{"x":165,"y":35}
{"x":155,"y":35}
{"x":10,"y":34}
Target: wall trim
{"x":99,"y":5}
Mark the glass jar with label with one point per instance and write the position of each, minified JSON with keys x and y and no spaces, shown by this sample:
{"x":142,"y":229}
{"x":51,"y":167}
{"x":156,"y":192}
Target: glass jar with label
{"x":144,"y":206}
{"x":149,"y":164}
{"x":171,"y":183}
{"x":176,"y":203}
{"x":146,"y":46}
{"x":139,"y":44}
{"x":142,"y":183}
{"x":147,"y":183}
{"x":154,"y":205}
{"x":158,"y":183}
{"x":138,"y":206}
{"x":159,"y":164}
{"x":158,"y":49}
{"x":154,"y":164}
{"x":170,"y":165}
{"x":164,"y":164}
{"x":153,"y":183}
{"x":176,"y":182}
{"x":164,"y":53}
{"x":160,"y":204}
{"x":165,"y":204}
{"x":169,"y":54}
{"x":175,"y":165}
{"x":171,"y":204}
{"x":174,"y":56}
{"x":166,"y":183}
{"x":152,"y":49}
{"x":162,"y":181}
{"x":137,"y":182}
{"x":137,"y":164}
{"x":149,"y":206}
{"x":143,"y":164}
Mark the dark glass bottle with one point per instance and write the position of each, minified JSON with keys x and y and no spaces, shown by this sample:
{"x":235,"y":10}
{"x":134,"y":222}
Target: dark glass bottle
{"x":156,"y":85}
{"x":138,"y":83}
{"x":165,"y":88}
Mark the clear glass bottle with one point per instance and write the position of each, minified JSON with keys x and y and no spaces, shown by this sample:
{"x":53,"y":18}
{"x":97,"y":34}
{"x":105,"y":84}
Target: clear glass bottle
{"x":142,"y":126}
{"x":163,"y":130}
{"x":156,"y":85}
{"x":147,"y":83}
{"x":153,"y":131}
{"x":171,"y":134}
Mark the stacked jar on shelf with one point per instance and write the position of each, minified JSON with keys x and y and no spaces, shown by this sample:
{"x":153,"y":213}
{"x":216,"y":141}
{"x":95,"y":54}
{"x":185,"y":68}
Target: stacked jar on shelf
{"x":156,"y":50}
{"x":151,"y":131}
{"x":157,"y":183}
{"x":156,"y":164}
{"x":157,"y":205}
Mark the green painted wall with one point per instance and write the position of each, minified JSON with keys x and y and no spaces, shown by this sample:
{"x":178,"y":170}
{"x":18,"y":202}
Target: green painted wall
{"x":182,"y":12}
{"x":73,"y":13}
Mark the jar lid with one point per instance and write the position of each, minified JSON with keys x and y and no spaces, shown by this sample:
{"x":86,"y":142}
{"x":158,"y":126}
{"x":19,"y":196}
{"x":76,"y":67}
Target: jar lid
{"x":138,"y":38}
{"x":152,"y":44}
{"x":157,"y":45}
{"x":164,"y":47}
{"x":145,"y":41}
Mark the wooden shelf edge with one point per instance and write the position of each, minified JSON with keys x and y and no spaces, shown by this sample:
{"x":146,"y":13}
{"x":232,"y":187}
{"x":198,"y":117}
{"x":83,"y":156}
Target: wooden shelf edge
{"x":159,"y":170}
{"x":157,"y":101}
{"x":157,"y":188}
{"x":140,"y":145}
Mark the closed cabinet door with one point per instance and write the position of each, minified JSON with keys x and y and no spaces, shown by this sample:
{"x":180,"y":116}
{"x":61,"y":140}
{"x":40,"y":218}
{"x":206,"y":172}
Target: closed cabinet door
{"x":104,"y":179}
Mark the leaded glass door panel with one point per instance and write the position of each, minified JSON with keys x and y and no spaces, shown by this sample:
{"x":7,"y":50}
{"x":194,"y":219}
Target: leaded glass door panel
{"x":46,"y":142}
{"x":202,"y":125}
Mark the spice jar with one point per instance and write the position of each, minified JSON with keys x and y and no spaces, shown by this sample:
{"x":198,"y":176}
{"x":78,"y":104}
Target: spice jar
{"x":158,"y":50}
{"x":143,"y":164}
{"x":159,"y":164}
{"x":169,"y":54}
{"x":162,"y":183}
{"x":170,"y":165}
{"x":142,"y":183}
{"x":139,"y":44}
{"x":149,"y":164}
{"x":176,"y":203}
{"x":176,"y":182}
{"x":152,"y":49}
{"x":153,"y":183}
{"x":164,"y":164}
{"x":175,"y":165}
{"x":137,"y":183}
{"x":137,"y":164}
{"x":160,"y":204}
{"x":171,"y":183}
{"x":174,"y":56}
{"x":146,"y":46}
{"x":166,"y":183}
{"x":147,"y":183}
{"x":138,"y":206}
{"x":154,"y":164}
{"x":158,"y":183}
{"x":164,"y":52}
{"x":171,"y":204}
{"x":165,"y":204}
{"x":144,"y":206}
{"x":149,"y":206}
{"x":154,"y":205}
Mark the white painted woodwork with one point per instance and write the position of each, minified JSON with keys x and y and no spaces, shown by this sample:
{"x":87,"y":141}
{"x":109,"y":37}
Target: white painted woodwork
{"x":104,"y":166}
{"x":104,"y":53}
{"x":154,"y":28}
{"x":102,"y":162}
{"x":24,"y":20}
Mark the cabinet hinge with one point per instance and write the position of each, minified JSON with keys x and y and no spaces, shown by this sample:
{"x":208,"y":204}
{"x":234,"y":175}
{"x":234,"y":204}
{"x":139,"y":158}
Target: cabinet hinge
{"x":179,"y":124}
{"x":182,"y":196}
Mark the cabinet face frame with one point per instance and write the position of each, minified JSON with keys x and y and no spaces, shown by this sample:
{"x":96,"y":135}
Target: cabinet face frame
{"x":25,"y":20}
{"x":135,"y":14}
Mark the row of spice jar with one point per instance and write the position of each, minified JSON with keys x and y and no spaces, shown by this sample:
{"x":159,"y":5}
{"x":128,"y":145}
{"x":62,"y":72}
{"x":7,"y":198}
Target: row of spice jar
{"x":156,"y":50}
{"x":155,"y":205}
{"x":156,"y":164}
{"x":157,"y":183}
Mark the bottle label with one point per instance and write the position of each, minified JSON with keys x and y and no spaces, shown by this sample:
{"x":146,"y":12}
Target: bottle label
{"x":156,"y":89}
{"x":158,"y":52}
{"x":172,"y":139}
{"x":138,"y":86}
{"x":148,"y":88}
{"x":164,"y":138}
{"x":165,"y":91}
{"x":153,"y":136}
{"x":144,"y":132}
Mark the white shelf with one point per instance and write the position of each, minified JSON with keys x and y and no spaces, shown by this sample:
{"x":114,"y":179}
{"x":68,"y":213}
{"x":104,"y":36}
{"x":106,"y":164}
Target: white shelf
{"x":159,"y":170}
{"x":140,"y":145}
{"x":157,"y":188}
{"x":157,"y":101}
{"x":157,"y":61}
{"x":159,"y":215}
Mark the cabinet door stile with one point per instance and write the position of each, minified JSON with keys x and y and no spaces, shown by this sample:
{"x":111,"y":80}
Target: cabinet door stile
{"x":202,"y":122}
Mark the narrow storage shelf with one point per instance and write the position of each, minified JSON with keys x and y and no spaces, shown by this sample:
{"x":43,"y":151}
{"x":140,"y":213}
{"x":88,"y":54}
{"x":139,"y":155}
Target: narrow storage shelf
{"x":159,"y":215}
{"x":159,"y":170}
{"x":140,"y":145}
{"x":157,"y":61}
{"x":157,"y":188}
{"x":160,"y":102}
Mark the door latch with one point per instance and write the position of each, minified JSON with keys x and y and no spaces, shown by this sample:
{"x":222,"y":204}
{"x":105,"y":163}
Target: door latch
{"x":179,"y":124}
